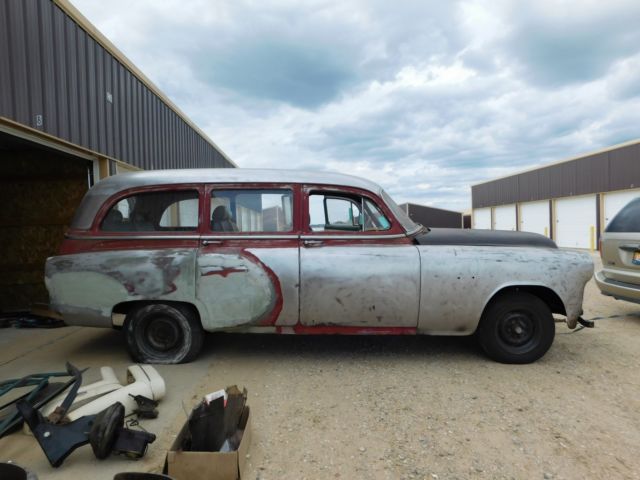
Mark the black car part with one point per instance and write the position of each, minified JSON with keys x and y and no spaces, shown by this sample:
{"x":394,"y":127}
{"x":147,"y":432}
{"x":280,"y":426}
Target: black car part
{"x":105,"y":431}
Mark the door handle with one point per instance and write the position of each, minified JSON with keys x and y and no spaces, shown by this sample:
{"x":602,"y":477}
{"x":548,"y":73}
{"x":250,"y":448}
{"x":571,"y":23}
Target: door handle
{"x":211,"y":242}
{"x":630,"y":248}
{"x":312,"y":243}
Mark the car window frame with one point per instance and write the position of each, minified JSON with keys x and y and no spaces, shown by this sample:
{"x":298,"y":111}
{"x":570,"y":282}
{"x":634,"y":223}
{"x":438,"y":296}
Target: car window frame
{"x":108,"y":204}
{"x":394,"y":230}
{"x":295,"y":209}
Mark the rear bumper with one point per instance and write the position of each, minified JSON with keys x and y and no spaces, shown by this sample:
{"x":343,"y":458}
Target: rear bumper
{"x":617,"y":289}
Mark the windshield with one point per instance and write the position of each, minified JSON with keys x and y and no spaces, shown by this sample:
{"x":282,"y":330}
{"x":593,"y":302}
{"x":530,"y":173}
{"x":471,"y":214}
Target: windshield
{"x":409,"y":225}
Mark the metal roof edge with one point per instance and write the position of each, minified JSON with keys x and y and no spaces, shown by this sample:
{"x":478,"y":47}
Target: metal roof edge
{"x":84,"y":23}
{"x":429,"y":206}
{"x":565,"y":160}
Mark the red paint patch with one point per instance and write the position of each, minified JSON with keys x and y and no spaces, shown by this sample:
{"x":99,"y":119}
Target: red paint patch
{"x":225,"y":272}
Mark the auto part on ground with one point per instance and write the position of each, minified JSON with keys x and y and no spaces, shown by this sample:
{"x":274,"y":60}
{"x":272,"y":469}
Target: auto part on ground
{"x":41,"y":394}
{"x":11,"y":471}
{"x":105,"y":431}
{"x":213,"y":424}
{"x":146,"y":407}
{"x":141,"y":476}
{"x":29,"y":320}
{"x":142,"y":380}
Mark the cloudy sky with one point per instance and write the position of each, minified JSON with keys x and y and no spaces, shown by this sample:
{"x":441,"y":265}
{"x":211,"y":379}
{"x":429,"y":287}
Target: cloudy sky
{"x":424,"y":97}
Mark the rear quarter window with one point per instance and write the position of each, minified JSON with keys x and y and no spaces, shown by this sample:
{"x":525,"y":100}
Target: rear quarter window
{"x":627,"y":220}
{"x":154,"y":212}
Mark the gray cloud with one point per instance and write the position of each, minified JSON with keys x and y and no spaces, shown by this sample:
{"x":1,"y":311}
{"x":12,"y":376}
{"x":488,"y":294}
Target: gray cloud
{"x":424,"y":97}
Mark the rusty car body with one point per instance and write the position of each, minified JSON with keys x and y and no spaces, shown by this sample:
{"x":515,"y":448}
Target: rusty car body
{"x":167,"y":255}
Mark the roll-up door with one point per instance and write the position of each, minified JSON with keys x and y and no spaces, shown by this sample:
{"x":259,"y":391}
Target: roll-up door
{"x":615,"y":201}
{"x":504,"y":217}
{"x":576,"y":221}
{"x":482,"y":218}
{"x":534,"y":217}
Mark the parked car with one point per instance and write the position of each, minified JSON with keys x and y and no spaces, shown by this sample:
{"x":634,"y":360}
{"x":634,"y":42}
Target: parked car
{"x":620,"y":252}
{"x":167,"y":255}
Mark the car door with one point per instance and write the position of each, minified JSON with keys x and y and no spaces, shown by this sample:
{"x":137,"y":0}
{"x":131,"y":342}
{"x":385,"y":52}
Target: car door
{"x":357,"y":267}
{"x":247,"y":271}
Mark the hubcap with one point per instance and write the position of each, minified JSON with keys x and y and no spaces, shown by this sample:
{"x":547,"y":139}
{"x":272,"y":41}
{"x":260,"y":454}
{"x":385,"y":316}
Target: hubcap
{"x":516,"y":328}
{"x":162,"y":333}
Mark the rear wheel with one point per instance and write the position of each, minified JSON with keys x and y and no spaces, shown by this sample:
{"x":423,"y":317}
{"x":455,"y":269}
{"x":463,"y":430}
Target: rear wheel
{"x":516,"y":328}
{"x":160,"y":333}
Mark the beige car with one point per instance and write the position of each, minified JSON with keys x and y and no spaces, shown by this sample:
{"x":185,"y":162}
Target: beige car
{"x":620,"y":250}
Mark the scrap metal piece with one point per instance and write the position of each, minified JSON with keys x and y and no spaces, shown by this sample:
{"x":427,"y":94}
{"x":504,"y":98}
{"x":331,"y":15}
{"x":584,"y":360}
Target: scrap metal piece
{"x":56,"y":441}
{"x":586,"y":323}
{"x":42,"y":393}
{"x":132,"y":443}
{"x":146,"y":406}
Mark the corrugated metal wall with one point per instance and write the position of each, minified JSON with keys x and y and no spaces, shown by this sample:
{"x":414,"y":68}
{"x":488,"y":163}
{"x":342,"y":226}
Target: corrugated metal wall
{"x":617,"y":169}
{"x":433,"y":217}
{"x":56,"y":78}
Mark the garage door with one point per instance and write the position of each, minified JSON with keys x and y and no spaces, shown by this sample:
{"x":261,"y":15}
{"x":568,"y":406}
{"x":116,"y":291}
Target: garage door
{"x":534,"y":217}
{"x":613,"y":203}
{"x":482,"y":218}
{"x":504,"y":217}
{"x":575,"y":218}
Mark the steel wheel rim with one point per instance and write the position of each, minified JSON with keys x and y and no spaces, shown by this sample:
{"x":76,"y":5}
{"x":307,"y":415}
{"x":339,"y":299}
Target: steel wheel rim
{"x":163,"y":334}
{"x":516,"y":329}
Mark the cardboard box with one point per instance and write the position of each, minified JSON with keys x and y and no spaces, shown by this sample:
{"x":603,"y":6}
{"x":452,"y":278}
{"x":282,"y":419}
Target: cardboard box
{"x":183,"y":465}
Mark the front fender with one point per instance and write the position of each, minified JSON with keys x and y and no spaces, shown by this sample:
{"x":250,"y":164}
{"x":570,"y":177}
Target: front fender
{"x":458,"y":282}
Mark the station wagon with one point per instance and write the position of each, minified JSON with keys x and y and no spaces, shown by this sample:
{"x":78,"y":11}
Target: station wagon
{"x":169,"y":255}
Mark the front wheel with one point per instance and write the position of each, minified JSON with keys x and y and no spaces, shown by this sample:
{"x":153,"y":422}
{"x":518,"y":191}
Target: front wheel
{"x":516,"y":328}
{"x":160,"y":333}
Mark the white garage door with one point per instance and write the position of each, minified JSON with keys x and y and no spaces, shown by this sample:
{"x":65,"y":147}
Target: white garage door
{"x":504,"y":217}
{"x":534,"y":217}
{"x":575,"y":218}
{"x":482,"y":218}
{"x":613,"y":203}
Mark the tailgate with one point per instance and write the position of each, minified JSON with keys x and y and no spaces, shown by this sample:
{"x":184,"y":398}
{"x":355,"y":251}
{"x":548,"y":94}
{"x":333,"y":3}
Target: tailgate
{"x":621,"y":256}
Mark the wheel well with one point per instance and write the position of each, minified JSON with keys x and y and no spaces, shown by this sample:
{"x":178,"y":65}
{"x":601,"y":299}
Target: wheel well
{"x":545,"y":294}
{"x":125,"y":307}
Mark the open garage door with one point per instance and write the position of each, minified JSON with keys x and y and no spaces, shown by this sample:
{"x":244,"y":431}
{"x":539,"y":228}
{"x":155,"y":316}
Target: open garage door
{"x":534,"y":217}
{"x":482,"y":218}
{"x":614,"y":201}
{"x":576,"y":221}
{"x":504,"y":217}
{"x":40,"y":189}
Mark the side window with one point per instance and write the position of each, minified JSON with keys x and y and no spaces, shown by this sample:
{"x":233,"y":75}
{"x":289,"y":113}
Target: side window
{"x":627,"y":220}
{"x":347,"y":213}
{"x":154,"y":212}
{"x":244,"y":210}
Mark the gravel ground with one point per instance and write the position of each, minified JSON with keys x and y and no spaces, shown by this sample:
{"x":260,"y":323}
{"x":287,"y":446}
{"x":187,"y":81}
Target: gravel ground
{"x":396,"y":407}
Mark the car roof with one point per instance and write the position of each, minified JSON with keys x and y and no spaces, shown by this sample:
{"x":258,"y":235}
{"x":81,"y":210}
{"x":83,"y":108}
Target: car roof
{"x":123,"y":181}
{"x":109,"y":186}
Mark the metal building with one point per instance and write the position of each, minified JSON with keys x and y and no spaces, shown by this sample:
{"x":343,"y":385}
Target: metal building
{"x":570,"y":201}
{"x":433,"y":217}
{"x":73,"y":109}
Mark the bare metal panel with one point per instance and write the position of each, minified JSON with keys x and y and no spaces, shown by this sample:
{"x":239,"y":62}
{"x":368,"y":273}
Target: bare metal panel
{"x":55,"y":77}
{"x":360,"y":285}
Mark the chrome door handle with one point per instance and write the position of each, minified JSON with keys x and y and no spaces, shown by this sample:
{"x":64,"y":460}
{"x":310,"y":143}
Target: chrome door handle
{"x":312,"y":243}
{"x":211,"y":242}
